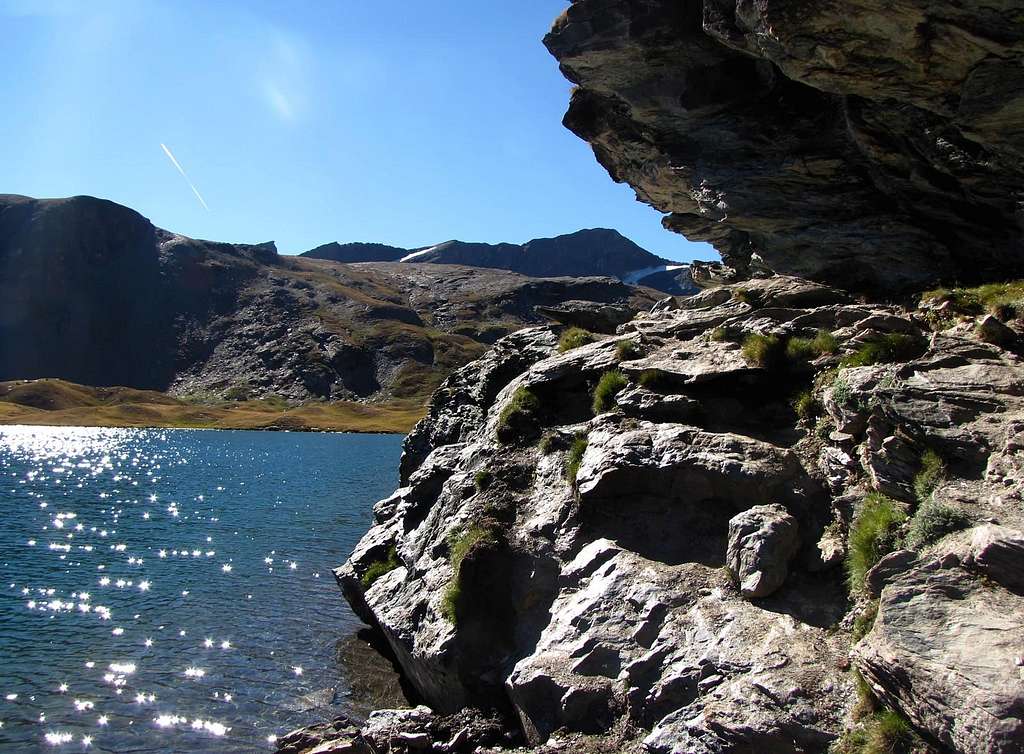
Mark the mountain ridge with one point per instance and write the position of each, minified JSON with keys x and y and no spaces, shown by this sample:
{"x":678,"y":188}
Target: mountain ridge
{"x":94,"y":293}
{"x":590,"y":251}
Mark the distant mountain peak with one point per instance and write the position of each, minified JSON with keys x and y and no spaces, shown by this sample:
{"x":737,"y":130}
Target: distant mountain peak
{"x":583,"y":253}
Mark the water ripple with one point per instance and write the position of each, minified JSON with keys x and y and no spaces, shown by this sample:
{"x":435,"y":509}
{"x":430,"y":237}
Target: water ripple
{"x":160,"y":590}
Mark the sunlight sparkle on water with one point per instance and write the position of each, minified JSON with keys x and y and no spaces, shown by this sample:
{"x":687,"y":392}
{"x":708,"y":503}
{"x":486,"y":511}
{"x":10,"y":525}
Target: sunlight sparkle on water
{"x":129,"y":513}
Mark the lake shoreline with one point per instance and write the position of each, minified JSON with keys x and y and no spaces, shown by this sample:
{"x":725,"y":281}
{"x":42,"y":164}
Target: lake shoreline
{"x":199,"y":427}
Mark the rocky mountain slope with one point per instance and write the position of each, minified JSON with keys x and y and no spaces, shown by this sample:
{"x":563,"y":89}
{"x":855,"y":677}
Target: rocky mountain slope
{"x":92,"y":292}
{"x":781,"y":516}
{"x":584,"y":253}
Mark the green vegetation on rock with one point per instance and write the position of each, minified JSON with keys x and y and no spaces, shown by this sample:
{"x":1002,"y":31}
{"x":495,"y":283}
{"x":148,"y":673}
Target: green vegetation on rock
{"x":823,"y":428}
{"x":459,"y":546}
{"x":932,"y":473}
{"x":574,"y":457}
{"x":883,"y":732}
{"x":482,"y":480}
{"x":574,"y":337}
{"x":719,"y":335}
{"x":885,"y":349}
{"x":823,"y":343}
{"x":654,"y":379}
{"x":864,"y":621}
{"x":844,"y":395}
{"x":932,"y":521}
{"x":1004,"y":299}
{"x":379,"y":567}
{"x":519,"y":416}
{"x":874,"y":533}
{"x":549,"y":443}
{"x":610,"y":385}
{"x":765,"y":351}
{"x":806,"y":406}
{"x":627,"y":350}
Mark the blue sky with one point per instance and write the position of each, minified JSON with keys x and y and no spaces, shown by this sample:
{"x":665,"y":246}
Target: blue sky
{"x":399,"y":121}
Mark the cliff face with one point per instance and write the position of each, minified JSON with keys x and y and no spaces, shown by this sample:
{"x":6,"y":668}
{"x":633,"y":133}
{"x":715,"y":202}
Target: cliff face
{"x":92,"y":292}
{"x":873,"y":145}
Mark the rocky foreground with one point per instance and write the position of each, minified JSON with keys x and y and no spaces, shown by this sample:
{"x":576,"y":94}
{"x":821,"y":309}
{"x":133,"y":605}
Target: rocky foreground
{"x":786,"y":521}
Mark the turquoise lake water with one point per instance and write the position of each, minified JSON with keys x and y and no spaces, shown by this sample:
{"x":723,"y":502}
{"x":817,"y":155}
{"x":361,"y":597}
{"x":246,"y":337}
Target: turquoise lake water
{"x":171,"y":590}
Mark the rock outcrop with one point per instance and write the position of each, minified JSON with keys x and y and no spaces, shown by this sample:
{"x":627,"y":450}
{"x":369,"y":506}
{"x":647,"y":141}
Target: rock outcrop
{"x":666,"y":576}
{"x":875,"y":145}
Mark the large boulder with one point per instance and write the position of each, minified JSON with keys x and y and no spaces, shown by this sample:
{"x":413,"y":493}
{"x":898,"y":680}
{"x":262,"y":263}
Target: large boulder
{"x":762,"y":541}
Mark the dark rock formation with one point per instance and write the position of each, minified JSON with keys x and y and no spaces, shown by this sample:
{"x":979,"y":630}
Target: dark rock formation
{"x":585,"y":253}
{"x":91,"y":292}
{"x":356,"y":252}
{"x":874,"y":145}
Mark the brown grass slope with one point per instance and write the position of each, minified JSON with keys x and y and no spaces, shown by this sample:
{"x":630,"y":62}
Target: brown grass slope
{"x":58,"y":403}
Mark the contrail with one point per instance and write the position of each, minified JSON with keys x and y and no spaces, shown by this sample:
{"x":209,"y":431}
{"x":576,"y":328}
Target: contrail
{"x":185,"y":176}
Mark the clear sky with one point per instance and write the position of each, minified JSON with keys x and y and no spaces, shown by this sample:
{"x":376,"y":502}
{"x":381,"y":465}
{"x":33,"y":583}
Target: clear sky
{"x":399,"y":121}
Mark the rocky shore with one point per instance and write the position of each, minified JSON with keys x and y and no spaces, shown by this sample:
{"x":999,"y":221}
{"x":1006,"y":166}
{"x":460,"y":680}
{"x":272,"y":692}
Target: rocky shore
{"x":676,"y":570}
{"x":784,"y":514}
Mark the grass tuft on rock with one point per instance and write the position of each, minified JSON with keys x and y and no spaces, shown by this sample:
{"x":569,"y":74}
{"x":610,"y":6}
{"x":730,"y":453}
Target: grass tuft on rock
{"x":655,"y":379}
{"x":806,"y":406}
{"x":874,"y":533}
{"x":549,"y":443}
{"x":574,"y":457}
{"x":886,"y":349}
{"x":932,"y":474}
{"x":459,"y":546}
{"x":720,"y":335}
{"x":973,"y":301}
{"x":766,"y":351}
{"x":483,"y":479}
{"x":867,"y":703}
{"x":823,"y":428}
{"x":823,"y":343}
{"x":519,"y":417}
{"x":574,"y":337}
{"x":884,"y":732}
{"x":932,"y":522}
{"x":610,"y":385}
{"x":864,"y":621}
{"x":379,"y":568}
{"x":627,"y":350}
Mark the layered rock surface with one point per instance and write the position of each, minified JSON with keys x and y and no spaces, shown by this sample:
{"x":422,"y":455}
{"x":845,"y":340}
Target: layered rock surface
{"x":875,"y":145}
{"x":670,"y":579}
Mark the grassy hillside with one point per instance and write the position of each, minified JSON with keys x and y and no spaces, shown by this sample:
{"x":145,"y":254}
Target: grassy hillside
{"x":60,"y":403}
